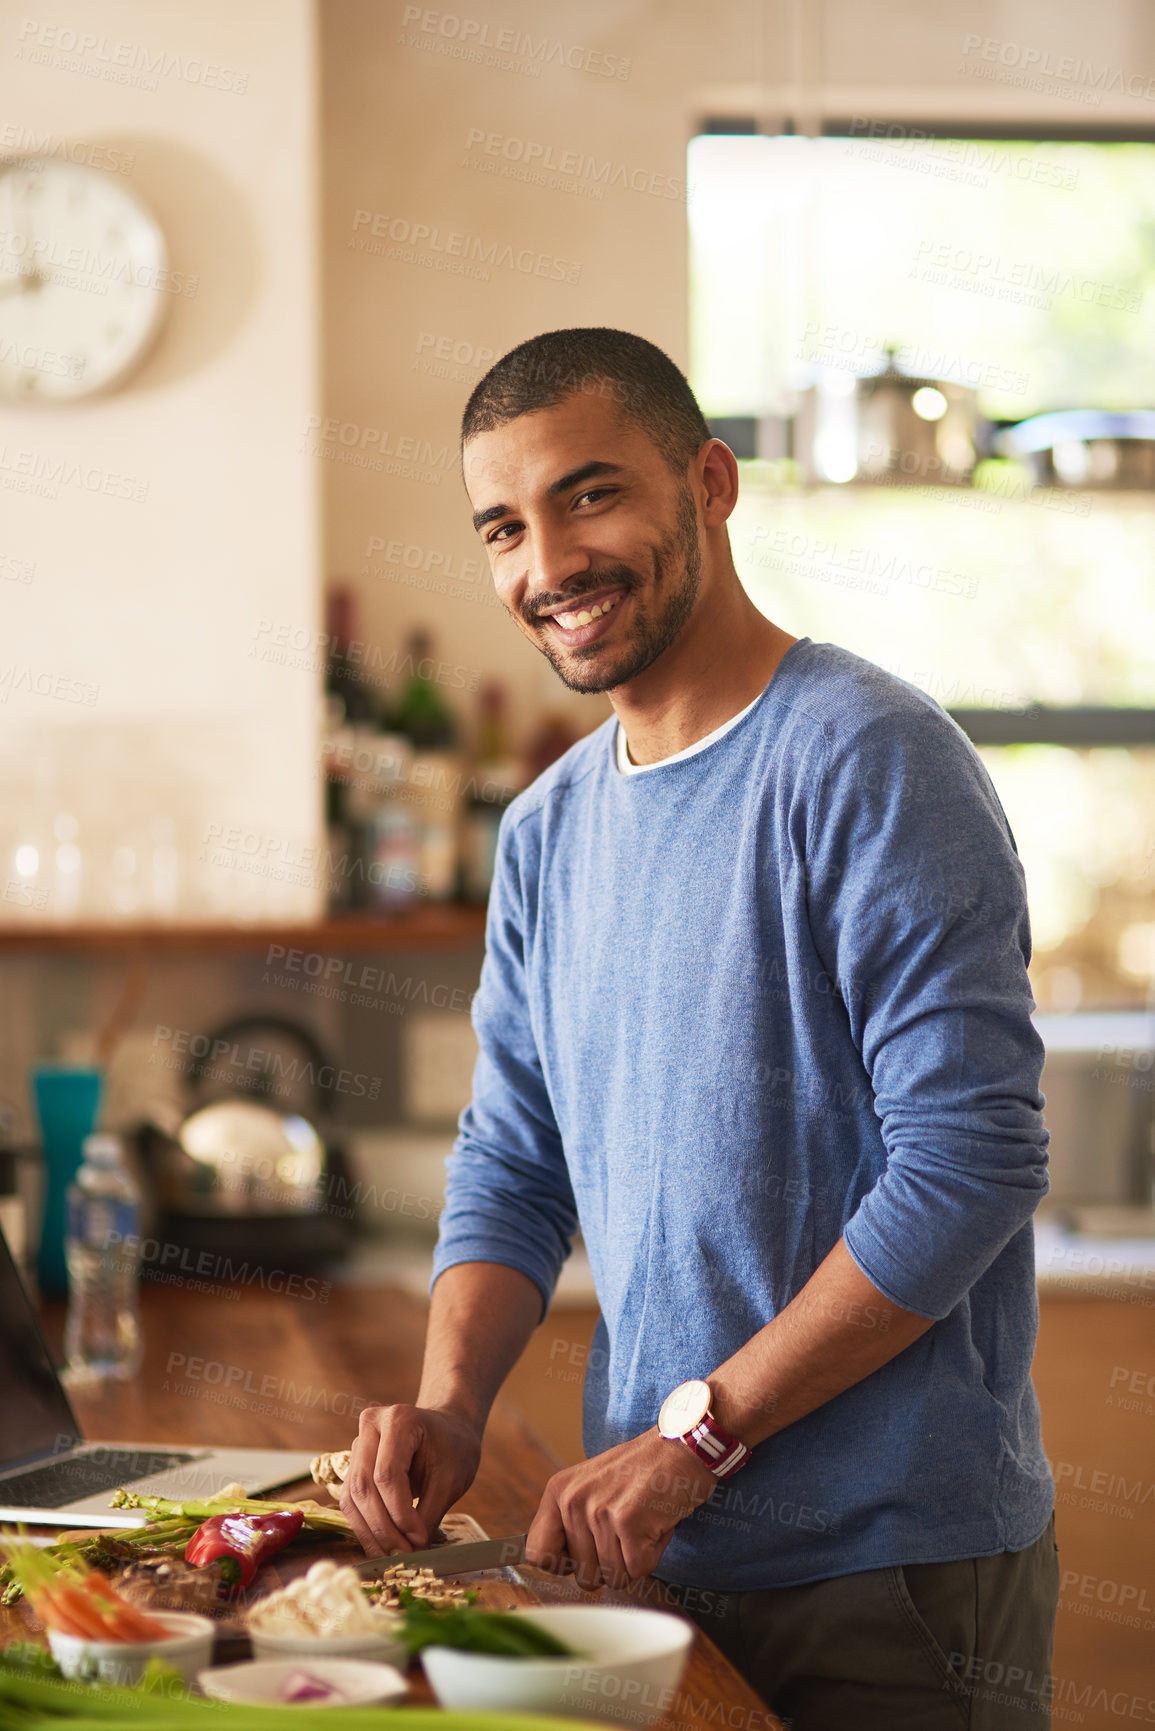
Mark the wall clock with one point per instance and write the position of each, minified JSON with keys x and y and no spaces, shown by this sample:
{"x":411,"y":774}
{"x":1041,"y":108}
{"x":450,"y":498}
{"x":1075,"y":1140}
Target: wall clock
{"x":83,"y":281}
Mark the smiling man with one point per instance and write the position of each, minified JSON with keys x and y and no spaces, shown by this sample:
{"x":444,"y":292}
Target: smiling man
{"x":755,"y":1012}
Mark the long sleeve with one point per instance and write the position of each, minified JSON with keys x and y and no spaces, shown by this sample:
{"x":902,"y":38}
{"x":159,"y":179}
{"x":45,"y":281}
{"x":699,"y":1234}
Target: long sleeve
{"x":509,"y":1197}
{"x":919,"y":911}
{"x":737,"y":1008}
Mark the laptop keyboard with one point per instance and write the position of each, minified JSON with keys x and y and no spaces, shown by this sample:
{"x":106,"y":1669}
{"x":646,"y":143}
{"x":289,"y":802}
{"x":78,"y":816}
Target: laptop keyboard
{"x":60,"y":1482}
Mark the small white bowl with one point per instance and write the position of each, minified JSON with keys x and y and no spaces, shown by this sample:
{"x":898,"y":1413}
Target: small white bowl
{"x":303,"y":1648}
{"x":627,"y":1665}
{"x":187,"y":1647}
{"x":259,"y":1682}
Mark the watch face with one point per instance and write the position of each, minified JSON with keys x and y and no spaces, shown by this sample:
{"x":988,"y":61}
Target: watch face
{"x":83,"y":281}
{"x":685,"y":1408}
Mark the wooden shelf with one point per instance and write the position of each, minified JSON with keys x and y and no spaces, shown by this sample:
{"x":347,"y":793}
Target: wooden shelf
{"x":442,"y":927}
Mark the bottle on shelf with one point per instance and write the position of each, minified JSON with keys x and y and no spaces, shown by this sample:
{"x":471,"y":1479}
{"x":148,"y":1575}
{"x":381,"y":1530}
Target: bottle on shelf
{"x":422,"y":713}
{"x":352,"y":734}
{"x":433,"y":794}
{"x":102,"y":1335}
{"x":495,"y":777}
{"x":346,"y":662}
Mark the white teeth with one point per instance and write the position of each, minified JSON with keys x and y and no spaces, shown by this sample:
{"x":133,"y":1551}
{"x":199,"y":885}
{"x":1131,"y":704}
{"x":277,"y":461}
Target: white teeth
{"x":586,"y":615}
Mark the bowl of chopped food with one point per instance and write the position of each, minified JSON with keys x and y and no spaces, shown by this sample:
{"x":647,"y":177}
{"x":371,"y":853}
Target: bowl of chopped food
{"x":304,"y":1682}
{"x":184,"y":1641}
{"x":582,"y":1661}
{"x":325,"y":1613}
{"x":94,"y":1632}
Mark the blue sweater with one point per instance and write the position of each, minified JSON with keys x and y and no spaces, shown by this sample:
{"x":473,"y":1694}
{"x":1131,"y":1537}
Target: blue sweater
{"x":739,"y":1007}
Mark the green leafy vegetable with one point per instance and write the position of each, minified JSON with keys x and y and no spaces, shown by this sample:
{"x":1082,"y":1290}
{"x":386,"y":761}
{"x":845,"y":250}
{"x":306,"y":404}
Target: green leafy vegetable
{"x":429,"y":1625}
{"x":30,"y":1659}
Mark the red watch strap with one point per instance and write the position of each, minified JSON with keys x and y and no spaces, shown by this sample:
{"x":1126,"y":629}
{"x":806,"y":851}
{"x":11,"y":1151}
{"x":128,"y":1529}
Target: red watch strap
{"x":722,"y":1453}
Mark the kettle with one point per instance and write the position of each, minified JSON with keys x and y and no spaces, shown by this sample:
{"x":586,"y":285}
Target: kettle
{"x":242,"y":1172}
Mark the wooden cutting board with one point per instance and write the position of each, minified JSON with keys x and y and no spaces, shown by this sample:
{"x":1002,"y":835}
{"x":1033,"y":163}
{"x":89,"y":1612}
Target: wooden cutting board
{"x":496,"y":1589}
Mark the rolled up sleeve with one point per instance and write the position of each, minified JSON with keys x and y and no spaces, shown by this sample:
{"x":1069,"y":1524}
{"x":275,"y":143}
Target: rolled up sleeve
{"x":919,"y":910}
{"x":509,"y":1197}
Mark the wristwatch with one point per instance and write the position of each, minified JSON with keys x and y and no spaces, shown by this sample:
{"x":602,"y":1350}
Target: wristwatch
{"x":686,"y":1417}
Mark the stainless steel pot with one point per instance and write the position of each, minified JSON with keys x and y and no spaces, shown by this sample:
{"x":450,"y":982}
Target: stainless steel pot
{"x":1097,"y":449}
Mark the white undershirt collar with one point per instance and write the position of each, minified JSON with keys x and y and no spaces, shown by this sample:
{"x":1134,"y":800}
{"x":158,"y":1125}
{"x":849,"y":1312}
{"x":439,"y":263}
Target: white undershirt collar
{"x":628,"y":768}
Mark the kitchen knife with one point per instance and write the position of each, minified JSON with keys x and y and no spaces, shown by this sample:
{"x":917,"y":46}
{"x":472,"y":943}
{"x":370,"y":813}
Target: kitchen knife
{"x":450,"y":1559}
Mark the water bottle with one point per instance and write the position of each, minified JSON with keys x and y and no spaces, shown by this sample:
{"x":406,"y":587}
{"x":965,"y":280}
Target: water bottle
{"x":102,"y":1335}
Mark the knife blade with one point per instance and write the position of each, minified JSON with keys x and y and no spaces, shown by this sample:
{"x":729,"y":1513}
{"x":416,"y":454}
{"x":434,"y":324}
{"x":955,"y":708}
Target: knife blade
{"x":451,"y":1559}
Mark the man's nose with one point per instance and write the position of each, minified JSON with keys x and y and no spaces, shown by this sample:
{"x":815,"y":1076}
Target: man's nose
{"x":555,"y":558}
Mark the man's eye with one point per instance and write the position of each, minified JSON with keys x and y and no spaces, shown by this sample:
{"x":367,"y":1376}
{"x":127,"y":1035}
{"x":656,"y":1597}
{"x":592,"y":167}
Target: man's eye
{"x":594,"y":494}
{"x":502,"y":532}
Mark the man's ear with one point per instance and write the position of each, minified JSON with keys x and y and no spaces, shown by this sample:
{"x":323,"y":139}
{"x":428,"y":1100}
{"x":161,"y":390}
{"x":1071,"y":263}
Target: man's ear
{"x":717,"y":469}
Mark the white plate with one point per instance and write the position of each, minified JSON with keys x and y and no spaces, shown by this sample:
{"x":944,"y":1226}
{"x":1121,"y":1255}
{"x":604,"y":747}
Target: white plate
{"x":259,"y":1681}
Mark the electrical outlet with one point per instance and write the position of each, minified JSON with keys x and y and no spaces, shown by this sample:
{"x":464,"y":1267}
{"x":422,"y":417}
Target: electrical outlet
{"x":438,"y":1055}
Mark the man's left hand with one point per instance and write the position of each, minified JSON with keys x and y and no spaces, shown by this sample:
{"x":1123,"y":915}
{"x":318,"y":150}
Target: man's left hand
{"x":608,"y":1520}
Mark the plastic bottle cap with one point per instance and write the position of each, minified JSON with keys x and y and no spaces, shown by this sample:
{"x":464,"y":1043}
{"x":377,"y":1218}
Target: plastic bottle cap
{"x":102,"y":1150}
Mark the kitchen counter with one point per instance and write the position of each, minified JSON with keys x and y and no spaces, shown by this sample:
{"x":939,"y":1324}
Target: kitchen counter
{"x":257,"y":1369}
{"x":1093,"y":1264}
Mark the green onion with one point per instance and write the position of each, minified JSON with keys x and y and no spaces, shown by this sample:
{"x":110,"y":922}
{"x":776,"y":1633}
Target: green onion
{"x":34,"y":1704}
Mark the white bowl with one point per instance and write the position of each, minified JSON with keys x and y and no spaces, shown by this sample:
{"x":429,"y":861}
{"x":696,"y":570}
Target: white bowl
{"x":187,"y":1647}
{"x":259,"y":1682}
{"x":303,"y":1648}
{"x":627,"y":1665}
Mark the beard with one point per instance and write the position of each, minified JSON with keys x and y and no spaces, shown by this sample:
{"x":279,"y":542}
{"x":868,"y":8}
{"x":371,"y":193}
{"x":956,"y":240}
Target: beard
{"x":676,"y":563}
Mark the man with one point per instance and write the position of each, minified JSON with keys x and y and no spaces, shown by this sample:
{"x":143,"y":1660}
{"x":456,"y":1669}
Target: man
{"x":755,"y":1011}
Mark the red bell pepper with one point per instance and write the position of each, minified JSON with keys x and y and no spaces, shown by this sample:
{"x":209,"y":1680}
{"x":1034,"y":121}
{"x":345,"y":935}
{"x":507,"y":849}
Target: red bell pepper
{"x":241,"y":1543}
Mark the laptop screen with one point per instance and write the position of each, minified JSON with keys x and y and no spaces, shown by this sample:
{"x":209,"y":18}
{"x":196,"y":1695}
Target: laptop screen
{"x":35,"y":1418}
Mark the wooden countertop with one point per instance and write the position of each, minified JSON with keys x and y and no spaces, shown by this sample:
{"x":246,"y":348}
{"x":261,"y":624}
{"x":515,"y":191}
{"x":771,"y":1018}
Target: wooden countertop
{"x":261,"y":1369}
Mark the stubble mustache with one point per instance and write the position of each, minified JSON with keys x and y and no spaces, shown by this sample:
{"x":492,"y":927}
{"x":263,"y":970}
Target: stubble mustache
{"x":610,"y":577}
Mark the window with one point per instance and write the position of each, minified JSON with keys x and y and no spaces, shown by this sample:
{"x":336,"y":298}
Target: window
{"x":1024,"y":272}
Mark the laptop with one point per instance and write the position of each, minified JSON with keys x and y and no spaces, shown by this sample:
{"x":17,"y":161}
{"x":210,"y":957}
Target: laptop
{"x":49,"y":1474}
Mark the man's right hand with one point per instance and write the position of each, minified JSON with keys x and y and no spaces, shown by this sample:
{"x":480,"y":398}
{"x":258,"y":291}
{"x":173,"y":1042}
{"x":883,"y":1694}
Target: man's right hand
{"x":403,"y":1452}
{"x":480,"y":1316}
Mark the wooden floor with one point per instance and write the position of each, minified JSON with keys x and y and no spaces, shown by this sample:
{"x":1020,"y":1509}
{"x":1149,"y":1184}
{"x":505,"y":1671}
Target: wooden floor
{"x":1095,"y":1374}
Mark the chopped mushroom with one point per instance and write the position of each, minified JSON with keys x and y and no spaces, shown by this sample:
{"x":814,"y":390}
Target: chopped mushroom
{"x":385,"y":1590}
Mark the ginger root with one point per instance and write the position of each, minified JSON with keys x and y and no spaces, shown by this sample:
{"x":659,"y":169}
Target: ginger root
{"x":330,"y":1469}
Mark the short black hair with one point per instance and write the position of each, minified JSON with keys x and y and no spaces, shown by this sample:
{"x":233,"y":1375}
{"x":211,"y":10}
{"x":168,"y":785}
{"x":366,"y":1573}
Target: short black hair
{"x":595,"y":361}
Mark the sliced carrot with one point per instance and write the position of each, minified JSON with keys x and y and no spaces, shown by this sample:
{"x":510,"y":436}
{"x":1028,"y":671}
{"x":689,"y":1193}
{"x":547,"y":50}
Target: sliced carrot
{"x":56,"y":1612}
{"x":78,"y":1601}
{"x":75,"y":1602}
{"x":126,"y":1623}
{"x":50,"y":1616}
{"x":123,"y":1620}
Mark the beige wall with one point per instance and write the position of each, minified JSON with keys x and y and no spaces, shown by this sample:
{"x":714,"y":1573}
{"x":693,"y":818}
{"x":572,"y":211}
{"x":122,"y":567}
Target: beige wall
{"x":166,"y":607}
{"x":158,"y":603}
{"x":403,"y":91}
{"x":398,"y":114}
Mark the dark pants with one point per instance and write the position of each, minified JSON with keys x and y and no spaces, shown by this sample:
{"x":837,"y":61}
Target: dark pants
{"x":930,"y":1647}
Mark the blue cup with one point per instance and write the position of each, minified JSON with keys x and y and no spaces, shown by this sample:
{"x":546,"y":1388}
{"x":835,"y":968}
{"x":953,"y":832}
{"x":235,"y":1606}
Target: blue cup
{"x":67,"y":1100}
